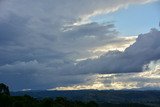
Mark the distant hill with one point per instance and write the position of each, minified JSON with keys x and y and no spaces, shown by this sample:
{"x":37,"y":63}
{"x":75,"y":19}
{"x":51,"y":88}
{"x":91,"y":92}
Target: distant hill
{"x":109,"y":96}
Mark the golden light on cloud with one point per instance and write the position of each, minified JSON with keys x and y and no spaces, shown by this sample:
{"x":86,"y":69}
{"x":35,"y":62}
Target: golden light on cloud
{"x":121,"y":81}
{"x":120,"y":46}
{"x":96,"y":52}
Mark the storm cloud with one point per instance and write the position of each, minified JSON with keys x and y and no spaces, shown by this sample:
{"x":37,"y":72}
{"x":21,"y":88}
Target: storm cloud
{"x":54,"y":43}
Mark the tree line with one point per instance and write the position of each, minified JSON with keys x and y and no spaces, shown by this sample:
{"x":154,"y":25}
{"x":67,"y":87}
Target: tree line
{"x":27,"y":101}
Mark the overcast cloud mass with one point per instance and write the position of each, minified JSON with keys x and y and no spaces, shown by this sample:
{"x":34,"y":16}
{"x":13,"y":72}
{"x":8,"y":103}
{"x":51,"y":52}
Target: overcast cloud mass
{"x":54,"y":43}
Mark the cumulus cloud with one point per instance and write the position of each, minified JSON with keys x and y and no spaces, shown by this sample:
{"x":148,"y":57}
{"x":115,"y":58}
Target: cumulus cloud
{"x":145,"y":49}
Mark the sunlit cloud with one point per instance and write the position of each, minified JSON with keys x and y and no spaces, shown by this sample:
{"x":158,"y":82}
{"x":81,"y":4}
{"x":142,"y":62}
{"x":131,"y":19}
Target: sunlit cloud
{"x":120,"y":46}
{"x":148,"y":79}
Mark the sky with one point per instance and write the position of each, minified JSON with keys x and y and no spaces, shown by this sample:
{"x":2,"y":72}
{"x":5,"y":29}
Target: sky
{"x":72,"y":44}
{"x":139,"y":17}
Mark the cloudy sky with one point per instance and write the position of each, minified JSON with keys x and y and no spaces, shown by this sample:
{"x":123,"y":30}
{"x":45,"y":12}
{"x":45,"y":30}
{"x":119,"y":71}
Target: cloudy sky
{"x":80,"y":44}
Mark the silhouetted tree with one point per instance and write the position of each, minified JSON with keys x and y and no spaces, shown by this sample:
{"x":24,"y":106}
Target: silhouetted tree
{"x":4,"y":89}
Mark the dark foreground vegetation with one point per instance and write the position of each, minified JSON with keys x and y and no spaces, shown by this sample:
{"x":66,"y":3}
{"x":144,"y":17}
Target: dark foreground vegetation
{"x":28,"y":101}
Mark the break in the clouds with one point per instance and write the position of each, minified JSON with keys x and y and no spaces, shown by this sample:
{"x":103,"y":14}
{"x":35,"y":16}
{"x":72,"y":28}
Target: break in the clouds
{"x":45,"y":44}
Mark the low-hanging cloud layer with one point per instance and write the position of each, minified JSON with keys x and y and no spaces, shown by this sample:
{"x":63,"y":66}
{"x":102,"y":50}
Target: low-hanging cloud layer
{"x":146,"y":80}
{"x":54,"y":43}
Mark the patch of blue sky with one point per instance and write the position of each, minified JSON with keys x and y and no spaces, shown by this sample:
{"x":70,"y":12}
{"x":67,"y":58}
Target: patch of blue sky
{"x":134,"y":19}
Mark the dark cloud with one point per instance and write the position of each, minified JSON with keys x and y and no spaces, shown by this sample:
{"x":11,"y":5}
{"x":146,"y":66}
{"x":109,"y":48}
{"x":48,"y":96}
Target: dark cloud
{"x":40,"y":42}
{"x":91,"y":29}
{"x":145,"y":49}
{"x":58,"y":71}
